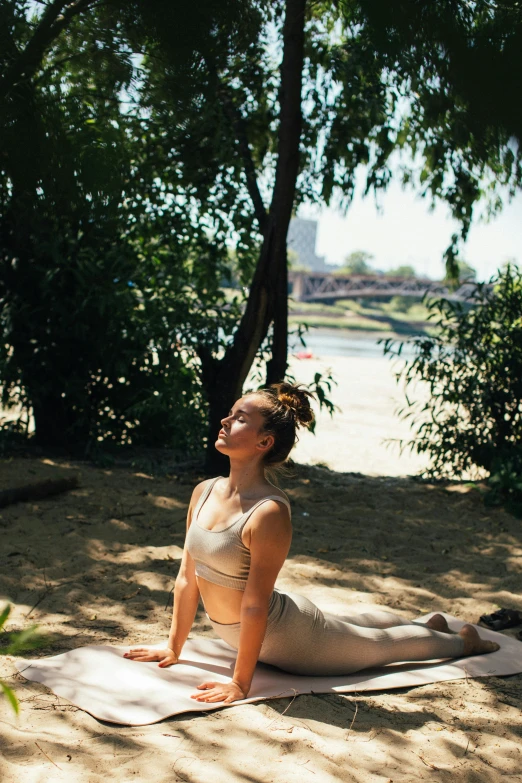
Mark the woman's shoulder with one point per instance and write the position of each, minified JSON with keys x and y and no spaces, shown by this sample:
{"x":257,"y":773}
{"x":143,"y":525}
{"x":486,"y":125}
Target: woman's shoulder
{"x":200,"y":488}
{"x":274,"y":502}
{"x":276,"y":493}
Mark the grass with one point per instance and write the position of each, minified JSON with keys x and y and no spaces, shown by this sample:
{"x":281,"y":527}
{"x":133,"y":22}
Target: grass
{"x":400,"y":315}
{"x":355,"y":324}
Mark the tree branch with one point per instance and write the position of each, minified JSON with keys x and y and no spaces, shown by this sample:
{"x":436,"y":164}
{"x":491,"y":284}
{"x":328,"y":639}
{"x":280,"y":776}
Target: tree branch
{"x":239,"y":125}
{"x":51,"y":24}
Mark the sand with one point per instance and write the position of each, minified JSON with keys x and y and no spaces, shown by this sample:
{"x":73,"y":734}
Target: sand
{"x":98,"y":564}
{"x":365,"y":433}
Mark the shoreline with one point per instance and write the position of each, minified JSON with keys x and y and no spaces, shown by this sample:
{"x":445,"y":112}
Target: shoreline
{"x":356,"y":335}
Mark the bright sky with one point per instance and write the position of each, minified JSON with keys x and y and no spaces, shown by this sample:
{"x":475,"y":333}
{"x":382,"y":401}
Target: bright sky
{"x":405,"y":231}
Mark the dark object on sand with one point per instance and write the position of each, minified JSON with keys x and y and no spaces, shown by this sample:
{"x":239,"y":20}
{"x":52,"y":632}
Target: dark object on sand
{"x":502,"y":618}
{"x":37,"y":491}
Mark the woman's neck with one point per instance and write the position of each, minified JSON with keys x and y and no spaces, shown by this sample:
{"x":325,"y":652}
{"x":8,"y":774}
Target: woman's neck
{"x":245,"y":477}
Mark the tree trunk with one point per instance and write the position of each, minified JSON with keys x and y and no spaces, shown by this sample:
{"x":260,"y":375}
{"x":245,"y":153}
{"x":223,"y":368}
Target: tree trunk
{"x":277,"y":366}
{"x":58,"y":424}
{"x":268,"y":298}
{"x":51,"y":423}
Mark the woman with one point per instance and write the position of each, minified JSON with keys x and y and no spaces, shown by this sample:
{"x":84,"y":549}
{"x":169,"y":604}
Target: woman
{"x":238,"y":537}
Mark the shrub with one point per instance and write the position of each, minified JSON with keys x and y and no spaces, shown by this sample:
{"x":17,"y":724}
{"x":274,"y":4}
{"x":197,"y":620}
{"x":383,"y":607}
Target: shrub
{"x":472,"y":420}
{"x":402,"y":304}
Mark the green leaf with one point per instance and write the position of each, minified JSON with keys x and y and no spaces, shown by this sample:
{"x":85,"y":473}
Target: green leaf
{"x":10,"y":697}
{"x":28,"y":639}
{"x":4,"y":615}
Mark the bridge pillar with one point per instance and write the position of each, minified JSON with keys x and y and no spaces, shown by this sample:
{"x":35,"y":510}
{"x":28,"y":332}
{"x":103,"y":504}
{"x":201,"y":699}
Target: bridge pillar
{"x":298,"y":287}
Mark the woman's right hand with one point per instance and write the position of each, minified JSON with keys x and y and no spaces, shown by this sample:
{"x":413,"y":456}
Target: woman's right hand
{"x":165,"y":656}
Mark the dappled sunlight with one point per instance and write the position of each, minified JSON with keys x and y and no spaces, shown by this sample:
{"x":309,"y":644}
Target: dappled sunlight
{"x":168,"y":503}
{"x":97,"y":566}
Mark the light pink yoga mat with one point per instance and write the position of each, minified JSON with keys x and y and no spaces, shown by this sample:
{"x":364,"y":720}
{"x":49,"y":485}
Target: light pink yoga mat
{"x":100,"y":681}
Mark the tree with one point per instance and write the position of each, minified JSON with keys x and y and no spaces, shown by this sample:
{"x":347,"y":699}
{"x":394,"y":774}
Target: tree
{"x":390,"y":82}
{"x":23,"y":46}
{"x":357,"y":263}
{"x":242,"y":131}
{"x":405,"y":270}
{"x":472,"y":417}
{"x":456,"y":65}
{"x":94,"y":270}
{"x":226,"y":78}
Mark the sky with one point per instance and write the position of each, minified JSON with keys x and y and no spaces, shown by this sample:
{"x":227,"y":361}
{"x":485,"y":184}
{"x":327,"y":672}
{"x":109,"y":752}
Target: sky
{"x":405,"y":231}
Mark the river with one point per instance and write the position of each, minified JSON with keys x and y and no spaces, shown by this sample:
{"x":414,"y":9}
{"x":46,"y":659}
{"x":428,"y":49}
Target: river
{"x":334,"y":342}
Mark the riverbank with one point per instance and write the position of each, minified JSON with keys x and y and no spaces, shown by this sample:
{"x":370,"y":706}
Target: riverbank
{"x":96,"y":566}
{"x":401,"y":317}
{"x":365,"y":433}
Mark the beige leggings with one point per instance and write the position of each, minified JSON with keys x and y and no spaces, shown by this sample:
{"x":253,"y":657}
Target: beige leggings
{"x":303,"y":640}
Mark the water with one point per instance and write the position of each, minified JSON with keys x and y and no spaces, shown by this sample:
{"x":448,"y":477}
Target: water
{"x":327,"y":342}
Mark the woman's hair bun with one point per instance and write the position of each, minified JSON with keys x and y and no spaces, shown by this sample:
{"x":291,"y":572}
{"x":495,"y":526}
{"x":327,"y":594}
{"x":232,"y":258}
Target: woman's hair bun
{"x":297,"y":400}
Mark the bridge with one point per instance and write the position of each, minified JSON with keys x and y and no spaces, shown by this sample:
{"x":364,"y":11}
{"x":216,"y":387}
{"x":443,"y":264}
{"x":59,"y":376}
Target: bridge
{"x":322,"y":287}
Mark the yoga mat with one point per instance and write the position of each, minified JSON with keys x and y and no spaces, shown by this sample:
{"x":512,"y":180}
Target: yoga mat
{"x":100,"y":681}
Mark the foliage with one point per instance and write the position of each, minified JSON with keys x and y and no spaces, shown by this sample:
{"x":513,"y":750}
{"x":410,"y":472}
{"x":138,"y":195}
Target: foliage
{"x":103,"y":275}
{"x":19,"y":642}
{"x":322,"y":384}
{"x":321,"y":387}
{"x":471,"y":418}
{"x":466,"y":274}
{"x":140,"y":145}
{"x":357,"y":263}
{"x":294,"y":263}
{"x":505,"y":480}
{"x":404,"y":270}
{"x":454,"y":68}
{"x":402,"y":304}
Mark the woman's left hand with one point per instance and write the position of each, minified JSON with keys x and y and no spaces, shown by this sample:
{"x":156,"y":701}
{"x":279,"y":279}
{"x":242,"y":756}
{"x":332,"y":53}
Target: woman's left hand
{"x":226,"y":692}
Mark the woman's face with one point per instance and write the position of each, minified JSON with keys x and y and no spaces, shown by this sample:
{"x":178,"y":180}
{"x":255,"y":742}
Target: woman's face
{"x":241,"y":433}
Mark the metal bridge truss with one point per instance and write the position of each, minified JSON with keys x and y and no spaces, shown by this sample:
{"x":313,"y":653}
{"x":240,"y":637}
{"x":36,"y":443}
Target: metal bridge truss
{"x":317,"y":287}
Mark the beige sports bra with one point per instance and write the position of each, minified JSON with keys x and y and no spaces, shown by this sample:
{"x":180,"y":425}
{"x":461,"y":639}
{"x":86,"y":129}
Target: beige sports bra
{"x":220,"y":555}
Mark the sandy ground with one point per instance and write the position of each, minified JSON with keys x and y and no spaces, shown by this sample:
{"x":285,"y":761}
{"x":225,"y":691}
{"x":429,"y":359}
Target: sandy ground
{"x":364,"y":434}
{"x":97,"y":565}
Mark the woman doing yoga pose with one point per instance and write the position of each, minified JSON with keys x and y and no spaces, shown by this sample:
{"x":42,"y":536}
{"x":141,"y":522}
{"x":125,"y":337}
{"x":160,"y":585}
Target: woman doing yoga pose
{"x":238,"y":537}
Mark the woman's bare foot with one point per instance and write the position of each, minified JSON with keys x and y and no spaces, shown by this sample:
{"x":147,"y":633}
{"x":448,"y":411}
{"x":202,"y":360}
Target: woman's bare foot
{"x":473,"y":644}
{"x":438,"y":623}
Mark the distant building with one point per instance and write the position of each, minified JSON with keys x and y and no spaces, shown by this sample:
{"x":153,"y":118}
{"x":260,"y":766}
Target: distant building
{"x":302,"y":236}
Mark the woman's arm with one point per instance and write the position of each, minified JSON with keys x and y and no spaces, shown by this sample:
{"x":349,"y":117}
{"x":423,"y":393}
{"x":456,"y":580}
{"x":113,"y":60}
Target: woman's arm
{"x":271,"y":534}
{"x":186,"y":597}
